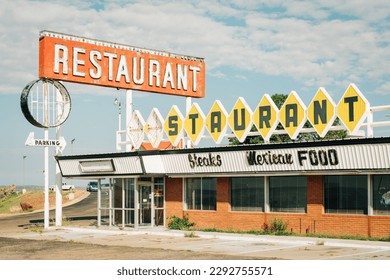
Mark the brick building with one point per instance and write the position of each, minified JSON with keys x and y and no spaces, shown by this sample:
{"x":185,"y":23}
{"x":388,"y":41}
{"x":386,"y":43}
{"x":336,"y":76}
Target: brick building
{"x":339,"y":187}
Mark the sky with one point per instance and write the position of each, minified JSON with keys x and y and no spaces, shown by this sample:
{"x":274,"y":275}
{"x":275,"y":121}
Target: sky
{"x":250,"y":48}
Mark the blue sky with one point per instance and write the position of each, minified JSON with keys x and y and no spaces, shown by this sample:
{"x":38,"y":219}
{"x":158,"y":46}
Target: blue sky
{"x":250,"y":48}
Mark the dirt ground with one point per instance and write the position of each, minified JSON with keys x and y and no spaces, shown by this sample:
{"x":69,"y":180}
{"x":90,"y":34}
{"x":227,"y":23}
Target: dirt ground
{"x":22,"y":237}
{"x":14,"y":245}
{"x":27,"y":249}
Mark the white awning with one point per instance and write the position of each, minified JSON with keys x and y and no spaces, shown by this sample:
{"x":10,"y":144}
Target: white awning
{"x":342,"y":156}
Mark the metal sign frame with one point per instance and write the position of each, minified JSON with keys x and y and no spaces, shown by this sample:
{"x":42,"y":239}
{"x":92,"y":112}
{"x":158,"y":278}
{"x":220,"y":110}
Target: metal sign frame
{"x":60,"y":99}
{"x":95,"y":62}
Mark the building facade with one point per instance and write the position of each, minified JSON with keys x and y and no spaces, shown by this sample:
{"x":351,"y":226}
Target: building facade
{"x":339,"y":187}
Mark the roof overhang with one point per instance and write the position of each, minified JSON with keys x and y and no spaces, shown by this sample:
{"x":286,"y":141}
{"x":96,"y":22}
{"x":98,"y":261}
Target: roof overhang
{"x":355,"y":156}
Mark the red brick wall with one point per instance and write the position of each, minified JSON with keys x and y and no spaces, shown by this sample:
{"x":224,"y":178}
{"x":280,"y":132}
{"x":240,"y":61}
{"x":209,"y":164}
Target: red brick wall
{"x":314,"y":221}
{"x":173,"y":198}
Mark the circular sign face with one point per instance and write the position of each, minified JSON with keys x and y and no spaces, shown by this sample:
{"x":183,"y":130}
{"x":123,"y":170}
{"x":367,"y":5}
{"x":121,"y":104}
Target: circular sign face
{"x":45,"y":103}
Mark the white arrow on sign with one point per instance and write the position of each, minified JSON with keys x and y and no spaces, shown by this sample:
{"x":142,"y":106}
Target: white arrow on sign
{"x":31,"y":141}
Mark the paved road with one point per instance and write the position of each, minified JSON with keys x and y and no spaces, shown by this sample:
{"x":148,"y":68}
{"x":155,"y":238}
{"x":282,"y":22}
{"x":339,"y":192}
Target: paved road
{"x":81,"y":213}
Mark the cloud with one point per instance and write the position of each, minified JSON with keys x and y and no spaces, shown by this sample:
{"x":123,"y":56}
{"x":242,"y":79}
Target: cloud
{"x":241,"y":77}
{"x":311,"y":42}
{"x":384,"y":88}
{"x":217,"y":74}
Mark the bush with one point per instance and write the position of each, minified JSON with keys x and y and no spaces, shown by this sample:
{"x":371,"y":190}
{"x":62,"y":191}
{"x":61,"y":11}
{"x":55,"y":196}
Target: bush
{"x":180,"y":224}
{"x":7,"y":191}
{"x":277,"y":226}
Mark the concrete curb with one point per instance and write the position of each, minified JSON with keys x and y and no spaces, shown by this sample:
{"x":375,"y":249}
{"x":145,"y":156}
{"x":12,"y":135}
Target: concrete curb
{"x":290,"y":240}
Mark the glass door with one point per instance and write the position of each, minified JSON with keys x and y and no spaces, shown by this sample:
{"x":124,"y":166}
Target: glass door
{"x":158,"y":193}
{"x":145,"y":203}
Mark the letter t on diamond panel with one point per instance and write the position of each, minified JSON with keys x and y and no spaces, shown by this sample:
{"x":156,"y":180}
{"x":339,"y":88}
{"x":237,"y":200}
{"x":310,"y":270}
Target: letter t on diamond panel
{"x":353,"y":109}
{"x":194,"y":124}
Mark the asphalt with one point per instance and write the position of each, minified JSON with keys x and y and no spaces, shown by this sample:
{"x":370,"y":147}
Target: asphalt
{"x":244,"y":245}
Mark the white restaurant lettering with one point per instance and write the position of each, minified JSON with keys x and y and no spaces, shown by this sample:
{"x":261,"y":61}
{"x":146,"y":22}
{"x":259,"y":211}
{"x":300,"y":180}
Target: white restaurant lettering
{"x":130,"y":69}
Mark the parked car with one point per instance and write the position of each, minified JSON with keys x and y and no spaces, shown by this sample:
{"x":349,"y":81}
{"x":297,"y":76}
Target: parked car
{"x":92,"y":187}
{"x":65,"y":187}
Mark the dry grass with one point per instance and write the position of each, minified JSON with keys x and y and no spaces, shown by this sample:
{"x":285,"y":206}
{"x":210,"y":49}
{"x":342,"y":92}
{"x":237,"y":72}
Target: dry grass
{"x":11,"y":204}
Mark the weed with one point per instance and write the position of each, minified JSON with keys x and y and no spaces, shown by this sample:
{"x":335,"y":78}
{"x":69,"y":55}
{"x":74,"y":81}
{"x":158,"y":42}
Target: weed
{"x":266,"y":229}
{"x":37,"y":229}
{"x":93,"y":224}
{"x":277,"y":227}
{"x":179,"y":223}
{"x":352,"y":237}
{"x":191,"y":235}
{"x":66,"y":221}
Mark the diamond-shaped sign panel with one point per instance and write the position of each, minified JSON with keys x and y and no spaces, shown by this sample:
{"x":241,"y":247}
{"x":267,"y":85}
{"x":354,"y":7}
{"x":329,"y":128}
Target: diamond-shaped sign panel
{"x":135,"y":129}
{"x":321,"y":112}
{"x":173,"y":125}
{"x":240,"y":119}
{"x":265,"y":117}
{"x":353,"y":109}
{"x":194,"y":124}
{"x":216,"y":122}
{"x":154,"y":128}
{"x":292,"y":115}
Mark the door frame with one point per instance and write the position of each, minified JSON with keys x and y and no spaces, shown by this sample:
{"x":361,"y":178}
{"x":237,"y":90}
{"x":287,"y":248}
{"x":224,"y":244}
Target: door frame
{"x":142,"y":184}
{"x":139,"y":183}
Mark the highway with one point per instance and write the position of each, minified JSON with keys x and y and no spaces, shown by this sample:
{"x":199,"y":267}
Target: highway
{"x":82,"y":213}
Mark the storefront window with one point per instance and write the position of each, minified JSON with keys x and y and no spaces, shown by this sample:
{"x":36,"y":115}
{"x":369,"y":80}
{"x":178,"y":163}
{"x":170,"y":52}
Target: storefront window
{"x":381,"y":194}
{"x":247,"y":194}
{"x":288,"y":194}
{"x":200,"y":193}
{"x":345,"y":194}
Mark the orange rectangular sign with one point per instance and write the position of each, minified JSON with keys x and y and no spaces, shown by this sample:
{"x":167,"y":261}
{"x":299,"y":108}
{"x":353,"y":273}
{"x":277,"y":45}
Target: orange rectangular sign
{"x":87,"y":61}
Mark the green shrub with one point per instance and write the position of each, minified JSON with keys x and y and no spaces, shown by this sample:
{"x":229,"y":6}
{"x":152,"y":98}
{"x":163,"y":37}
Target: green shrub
{"x":179,"y":223}
{"x":277,"y":226}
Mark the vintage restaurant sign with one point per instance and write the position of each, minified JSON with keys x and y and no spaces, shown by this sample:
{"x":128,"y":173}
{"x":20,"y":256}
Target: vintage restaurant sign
{"x":352,"y":110}
{"x":88,"y":61}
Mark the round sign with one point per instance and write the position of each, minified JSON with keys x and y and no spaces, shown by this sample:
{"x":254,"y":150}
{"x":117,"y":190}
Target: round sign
{"x":45,"y":103}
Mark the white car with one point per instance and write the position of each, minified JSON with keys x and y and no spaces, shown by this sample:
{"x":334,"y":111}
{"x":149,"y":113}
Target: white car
{"x":65,"y":187}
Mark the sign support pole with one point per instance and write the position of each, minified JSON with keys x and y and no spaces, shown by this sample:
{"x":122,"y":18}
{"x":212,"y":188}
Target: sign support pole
{"x":46,"y":169}
{"x":58,"y":184}
{"x":129,"y":114}
{"x":187,"y":140}
{"x":46,"y":174}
